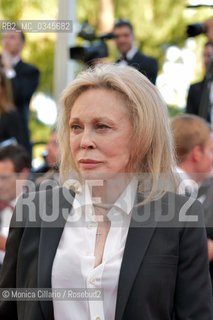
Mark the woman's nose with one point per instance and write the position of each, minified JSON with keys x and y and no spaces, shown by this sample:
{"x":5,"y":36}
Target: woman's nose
{"x":87,"y":140}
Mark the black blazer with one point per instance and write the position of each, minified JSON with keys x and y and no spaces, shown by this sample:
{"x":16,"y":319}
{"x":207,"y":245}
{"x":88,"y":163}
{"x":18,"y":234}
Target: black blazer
{"x":206,"y":192}
{"x":24,"y":85}
{"x":194,"y":99}
{"x":11,"y":126}
{"x":164,"y":271}
{"x":145,"y":64}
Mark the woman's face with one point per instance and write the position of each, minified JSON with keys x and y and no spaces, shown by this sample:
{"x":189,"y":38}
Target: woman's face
{"x":100,"y":132}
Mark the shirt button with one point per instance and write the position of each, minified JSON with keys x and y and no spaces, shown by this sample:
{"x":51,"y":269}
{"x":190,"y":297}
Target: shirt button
{"x":88,"y":253}
{"x":91,"y":225}
{"x":89,"y":212}
{"x":92,"y":280}
{"x":97,"y":318}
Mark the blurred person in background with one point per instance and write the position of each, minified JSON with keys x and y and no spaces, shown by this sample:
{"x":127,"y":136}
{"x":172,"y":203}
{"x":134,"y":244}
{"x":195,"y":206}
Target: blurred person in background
{"x":24,"y":77}
{"x":205,"y":196}
{"x":194,"y":150}
{"x":50,"y":169}
{"x":197,"y":91}
{"x":193,"y":146}
{"x":10,"y":120}
{"x":129,"y":54}
{"x":14,"y":170}
{"x":53,"y":152}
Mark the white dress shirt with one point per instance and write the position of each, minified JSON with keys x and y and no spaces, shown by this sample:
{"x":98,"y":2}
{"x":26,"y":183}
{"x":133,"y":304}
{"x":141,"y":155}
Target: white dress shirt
{"x":129,"y":55}
{"x":12,"y":73}
{"x":73,"y":266}
{"x":187,"y":185}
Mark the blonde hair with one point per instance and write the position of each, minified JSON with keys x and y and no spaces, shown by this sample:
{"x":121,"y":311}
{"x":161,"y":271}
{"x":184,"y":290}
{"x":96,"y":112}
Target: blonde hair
{"x":152,"y":152}
{"x":189,"y":131}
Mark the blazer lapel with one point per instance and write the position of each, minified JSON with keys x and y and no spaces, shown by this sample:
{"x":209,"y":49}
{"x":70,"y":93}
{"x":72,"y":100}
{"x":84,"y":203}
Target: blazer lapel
{"x":49,"y":239}
{"x":138,"y":238}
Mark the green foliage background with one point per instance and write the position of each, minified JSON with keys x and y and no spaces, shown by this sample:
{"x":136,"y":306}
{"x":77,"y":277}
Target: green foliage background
{"x":157,"y":25}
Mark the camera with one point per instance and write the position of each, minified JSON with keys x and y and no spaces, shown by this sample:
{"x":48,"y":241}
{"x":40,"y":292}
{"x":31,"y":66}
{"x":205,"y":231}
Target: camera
{"x":88,"y":54}
{"x":195,"y":29}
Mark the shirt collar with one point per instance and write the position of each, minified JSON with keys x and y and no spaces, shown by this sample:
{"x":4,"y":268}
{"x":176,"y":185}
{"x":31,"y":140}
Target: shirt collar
{"x":130,"y":54}
{"x":15,"y":60}
{"x":187,"y":184}
{"x":182,"y":173}
{"x":126,"y":200}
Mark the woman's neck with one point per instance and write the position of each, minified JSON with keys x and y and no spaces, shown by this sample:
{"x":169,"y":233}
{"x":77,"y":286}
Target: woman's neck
{"x":106,"y":192}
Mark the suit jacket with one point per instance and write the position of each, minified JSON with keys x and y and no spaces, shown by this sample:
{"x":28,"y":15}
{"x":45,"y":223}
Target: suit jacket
{"x":194,"y":99}
{"x":11,"y":127}
{"x":24,"y":85}
{"x":145,"y":64}
{"x":206,"y":192}
{"x":164,"y":271}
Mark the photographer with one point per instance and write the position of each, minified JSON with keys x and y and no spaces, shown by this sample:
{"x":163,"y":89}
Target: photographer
{"x":197,"y":89}
{"x":130,"y":55}
{"x":200,"y":96}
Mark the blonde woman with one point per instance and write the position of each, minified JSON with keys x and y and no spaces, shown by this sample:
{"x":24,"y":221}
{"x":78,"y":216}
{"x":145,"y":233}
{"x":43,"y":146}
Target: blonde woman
{"x":117,"y":244}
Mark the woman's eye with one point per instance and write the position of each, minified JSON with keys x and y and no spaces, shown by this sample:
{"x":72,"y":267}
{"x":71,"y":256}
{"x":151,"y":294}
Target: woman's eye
{"x":75,"y":127}
{"x":102,"y":126}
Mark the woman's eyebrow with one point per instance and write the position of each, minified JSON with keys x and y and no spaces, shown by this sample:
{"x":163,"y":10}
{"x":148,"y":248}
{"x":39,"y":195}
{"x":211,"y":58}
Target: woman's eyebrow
{"x":74,"y":119}
{"x":103,"y":119}
{"x":95,"y":120}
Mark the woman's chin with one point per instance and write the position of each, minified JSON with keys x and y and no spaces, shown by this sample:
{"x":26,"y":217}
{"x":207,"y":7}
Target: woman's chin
{"x":105,"y":175}
{"x":95,"y":175}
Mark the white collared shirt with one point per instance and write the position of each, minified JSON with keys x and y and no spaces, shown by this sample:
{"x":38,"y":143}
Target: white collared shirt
{"x":130,"y":54}
{"x":187,"y":185}
{"x":73,"y":266}
{"x":12,"y":73}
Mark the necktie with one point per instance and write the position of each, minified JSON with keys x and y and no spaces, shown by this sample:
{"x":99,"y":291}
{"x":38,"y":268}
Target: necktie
{"x":123,"y":58}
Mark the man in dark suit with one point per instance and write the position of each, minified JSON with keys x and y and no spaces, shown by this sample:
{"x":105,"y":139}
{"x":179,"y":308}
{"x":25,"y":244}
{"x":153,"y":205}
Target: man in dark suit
{"x":48,"y":170}
{"x":24,"y":77}
{"x":193,"y":146}
{"x":198,"y":91}
{"x":129,"y":55}
{"x":14,"y":170}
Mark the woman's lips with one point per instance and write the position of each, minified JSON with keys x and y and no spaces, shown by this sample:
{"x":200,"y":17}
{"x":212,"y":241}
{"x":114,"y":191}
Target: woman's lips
{"x":89,"y":163}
